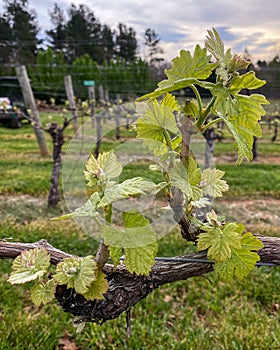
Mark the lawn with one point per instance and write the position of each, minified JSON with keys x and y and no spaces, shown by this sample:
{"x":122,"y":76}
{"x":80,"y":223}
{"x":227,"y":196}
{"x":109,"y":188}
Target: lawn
{"x":200,"y":313}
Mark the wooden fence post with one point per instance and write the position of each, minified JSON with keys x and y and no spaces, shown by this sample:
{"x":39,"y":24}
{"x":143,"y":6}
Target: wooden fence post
{"x":118,"y":116}
{"x":71,"y":99}
{"x":106,"y":96}
{"x":101,"y":95}
{"x":29,"y":101}
{"x":91,"y":98}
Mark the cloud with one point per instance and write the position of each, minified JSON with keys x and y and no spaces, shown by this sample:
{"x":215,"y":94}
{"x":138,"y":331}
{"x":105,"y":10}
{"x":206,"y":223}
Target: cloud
{"x":250,"y":24}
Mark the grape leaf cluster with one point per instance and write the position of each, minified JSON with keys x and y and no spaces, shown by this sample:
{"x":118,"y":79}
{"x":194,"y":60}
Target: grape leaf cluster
{"x":160,"y":125}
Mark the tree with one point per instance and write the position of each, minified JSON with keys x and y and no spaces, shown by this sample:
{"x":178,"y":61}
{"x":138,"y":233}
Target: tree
{"x":261,"y":64}
{"x":80,"y":33}
{"x":5,"y":41}
{"x":126,"y":43}
{"x":275,"y":63}
{"x":84,"y":68}
{"x":153,"y":55}
{"x":126,"y":77}
{"x":22,"y":40}
{"x":94,"y":291}
{"x":48,"y":74}
{"x":107,"y":43}
{"x":271,"y":73}
{"x":152,"y":42}
{"x":58,"y":34}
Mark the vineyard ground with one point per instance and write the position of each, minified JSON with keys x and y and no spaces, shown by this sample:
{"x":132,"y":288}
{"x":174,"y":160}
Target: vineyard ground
{"x":201,"y":313}
{"x":196,"y":314}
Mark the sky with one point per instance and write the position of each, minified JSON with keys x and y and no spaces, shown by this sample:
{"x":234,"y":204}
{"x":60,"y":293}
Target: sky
{"x":181,"y":24}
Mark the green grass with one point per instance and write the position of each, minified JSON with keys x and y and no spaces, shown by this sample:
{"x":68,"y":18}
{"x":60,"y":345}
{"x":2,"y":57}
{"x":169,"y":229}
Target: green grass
{"x":200,"y":313}
{"x":24,"y":171}
{"x":266,"y":149}
{"x":196,"y":314}
{"x":252,"y":180}
{"x":25,"y":176}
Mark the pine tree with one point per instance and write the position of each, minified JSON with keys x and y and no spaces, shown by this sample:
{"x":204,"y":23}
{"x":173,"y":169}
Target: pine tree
{"x":58,"y":34}
{"x":152,"y":42}
{"x":22,"y":37}
{"x":126,"y":43}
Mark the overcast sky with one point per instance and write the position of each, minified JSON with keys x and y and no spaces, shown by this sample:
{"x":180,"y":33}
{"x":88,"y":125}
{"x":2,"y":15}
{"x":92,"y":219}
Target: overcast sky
{"x":251,"y":24}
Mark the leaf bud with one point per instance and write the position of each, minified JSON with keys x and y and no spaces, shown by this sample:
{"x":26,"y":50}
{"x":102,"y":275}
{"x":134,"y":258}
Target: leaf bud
{"x":190,"y":108}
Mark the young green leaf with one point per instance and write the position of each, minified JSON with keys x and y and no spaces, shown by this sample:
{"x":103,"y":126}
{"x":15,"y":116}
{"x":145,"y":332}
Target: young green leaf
{"x":187,"y":180}
{"x":245,"y":81}
{"x":243,"y":138}
{"x":201,"y":203}
{"x":212,"y":185}
{"x":140,"y":260}
{"x":241,"y":113}
{"x":251,"y":242}
{"x":88,"y":209}
{"x":137,"y":232}
{"x":130,"y":187}
{"x":215,"y":45}
{"x":170,"y":102}
{"x":29,"y":265}
{"x":186,"y":70}
{"x":179,"y":178}
{"x":77,"y":273}
{"x":242,"y":261}
{"x":138,"y":241}
{"x":212,"y":218}
{"x":92,"y":172}
{"x":43,"y":293}
{"x":194,"y":172}
{"x":156,"y":123}
{"x":224,"y":103}
{"x":220,"y":241}
{"x":238,"y":62}
{"x":191,"y":108}
{"x":106,"y":167}
{"x":250,"y":111}
{"x":110,"y":166}
{"x":186,"y":66}
{"x":115,"y":254}
{"x":97,"y":288}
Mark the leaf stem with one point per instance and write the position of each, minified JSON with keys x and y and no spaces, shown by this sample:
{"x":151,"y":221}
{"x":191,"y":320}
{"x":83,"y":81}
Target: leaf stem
{"x":205,"y":114}
{"x":213,"y":122}
{"x":108,"y":214}
{"x":169,"y":144}
{"x":167,"y":139}
{"x":198,"y":97}
{"x":209,"y":106}
{"x":98,"y":222}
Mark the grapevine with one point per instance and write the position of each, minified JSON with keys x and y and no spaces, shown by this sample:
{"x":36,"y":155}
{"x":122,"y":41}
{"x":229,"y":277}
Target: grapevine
{"x":166,"y":127}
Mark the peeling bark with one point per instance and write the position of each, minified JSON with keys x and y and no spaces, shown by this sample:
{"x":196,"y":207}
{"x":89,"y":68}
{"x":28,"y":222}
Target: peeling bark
{"x":177,"y":199}
{"x":126,"y":289}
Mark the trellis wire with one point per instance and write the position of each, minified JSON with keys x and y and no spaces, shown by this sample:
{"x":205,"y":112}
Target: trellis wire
{"x":201,"y":261}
